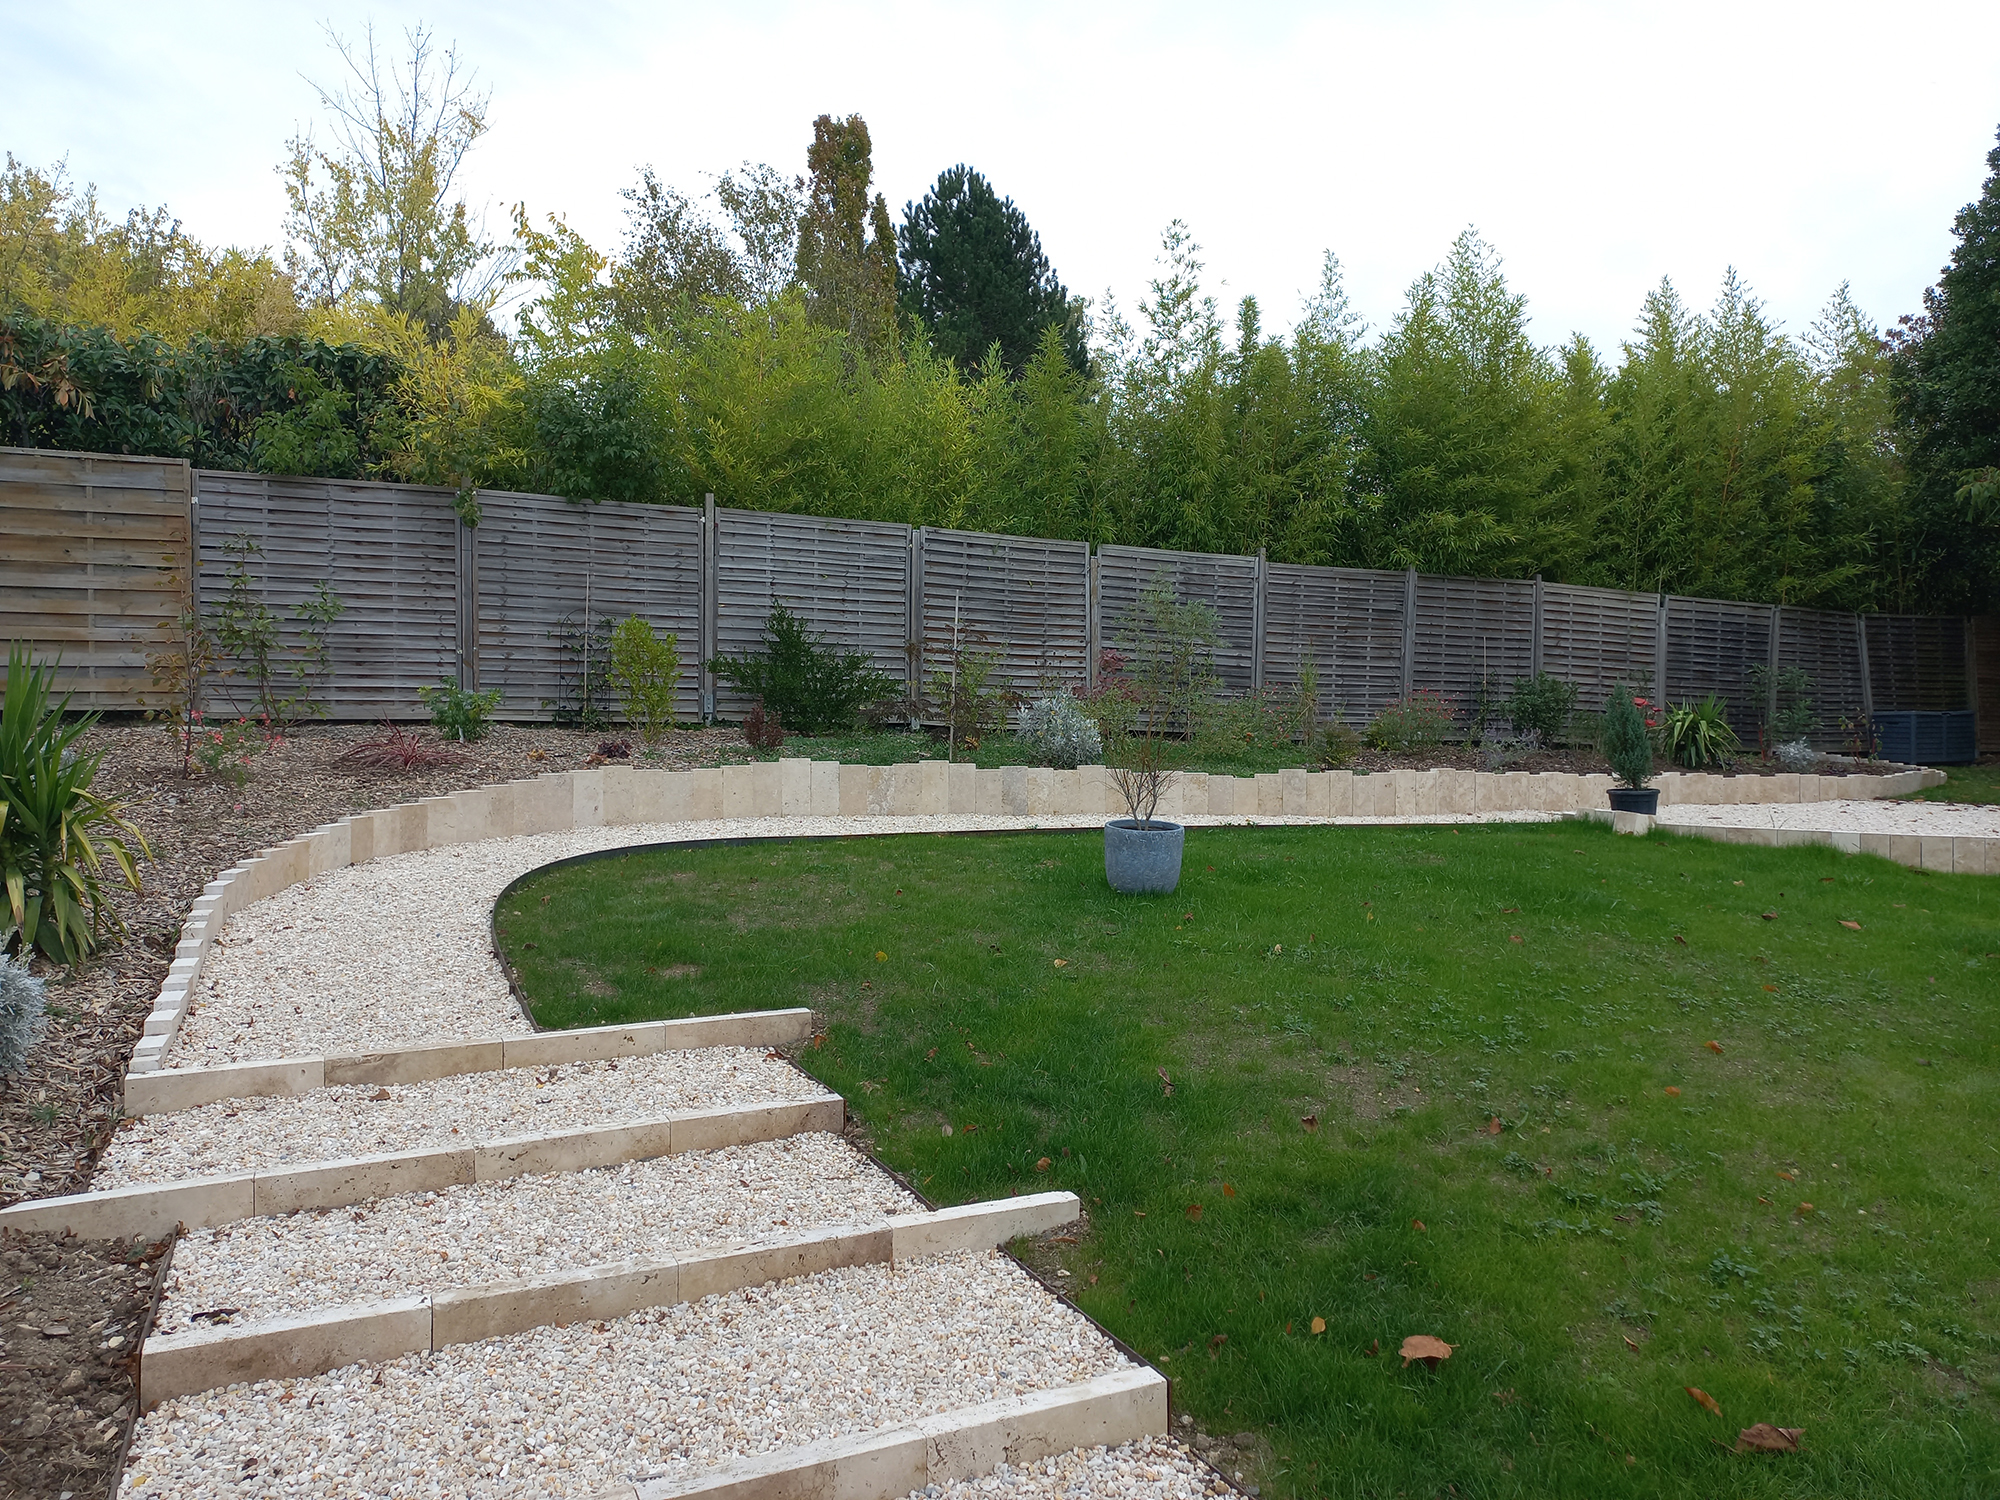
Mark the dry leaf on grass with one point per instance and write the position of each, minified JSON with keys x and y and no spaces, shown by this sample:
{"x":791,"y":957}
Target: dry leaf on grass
{"x":1421,"y":1346}
{"x":1194,"y":1212}
{"x":1166,"y":1083}
{"x":1228,"y":1191}
{"x":1418,"y":1225}
{"x":1850,"y":926}
{"x":1062,"y":963}
{"x":1311,"y":1122}
{"x":1702,"y":1398}
{"x":1672,"y":1092}
{"x":1631,"y":1343}
{"x":1764,"y":1438}
{"x":1715,"y":1047}
{"x":1215,"y":1344}
{"x":1681,"y":940}
{"x":1493,"y":1126}
{"x":1770,"y":916}
{"x":1319,"y":1325}
{"x":1042,"y":1164}
{"x":1513,"y":937}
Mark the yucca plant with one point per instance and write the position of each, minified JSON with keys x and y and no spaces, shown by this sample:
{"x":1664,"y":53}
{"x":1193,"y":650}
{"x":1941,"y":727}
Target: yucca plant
{"x":56,"y":834}
{"x":1697,"y":735}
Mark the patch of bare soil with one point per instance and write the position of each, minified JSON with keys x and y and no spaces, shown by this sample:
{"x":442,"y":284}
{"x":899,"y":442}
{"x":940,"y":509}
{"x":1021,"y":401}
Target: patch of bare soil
{"x":73,"y":1314}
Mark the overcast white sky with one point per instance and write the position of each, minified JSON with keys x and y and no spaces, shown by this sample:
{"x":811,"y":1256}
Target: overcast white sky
{"x":1599,"y":147}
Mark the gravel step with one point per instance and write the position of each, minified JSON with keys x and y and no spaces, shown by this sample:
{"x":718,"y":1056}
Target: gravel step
{"x":664,"y":1392}
{"x":245,"y":1135}
{"x":1154,"y":1468}
{"x":417,"y":1243}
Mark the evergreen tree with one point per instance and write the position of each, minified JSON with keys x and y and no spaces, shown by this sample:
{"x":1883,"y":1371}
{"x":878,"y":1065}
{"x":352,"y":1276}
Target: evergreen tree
{"x":1947,"y":387}
{"x":847,"y":247}
{"x":973,"y":275}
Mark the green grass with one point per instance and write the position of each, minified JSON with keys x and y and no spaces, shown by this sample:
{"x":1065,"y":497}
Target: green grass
{"x":1371,"y":979}
{"x":1964,"y":784}
{"x":895,"y":747}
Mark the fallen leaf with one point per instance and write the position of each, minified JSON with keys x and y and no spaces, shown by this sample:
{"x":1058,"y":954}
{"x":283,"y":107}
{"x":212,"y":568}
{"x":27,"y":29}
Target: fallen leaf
{"x":1418,"y":1225}
{"x":379,"y":1095}
{"x":1805,"y":1208}
{"x":930,"y":1054}
{"x":1421,"y":1346}
{"x":1707,"y":1402}
{"x":1506,"y":909}
{"x":870,"y":1086}
{"x":1187,"y":916}
{"x":1681,"y":940}
{"x":1513,"y":937}
{"x":881,"y":957}
{"x":947,"y":1129}
{"x":1826,"y":880}
{"x":1787,"y":1176}
{"x":1374,"y":1348}
{"x":1319,"y":1325}
{"x":1166,"y":1083}
{"x":1062,"y":963}
{"x":1770,"y":916}
{"x":1228,"y":1191}
{"x":1762,"y":1199}
{"x":1673,"y":1092}
{"x":1277,"y":948}
{"x":967,"y":1129}
{"x":1631,"y":1343}
{"x":1850,"y":926}
{"x":1288,"y":1327}
{"x":1493,"y":1126}
{"x":1770,"y":989}
{"x":1715,"y":1047}
{"x":1138,"y":1213}
{"x":1311,"y":1122}
{"x":1764,"y":1438}
{"x":1043,"y":1164}
{"x":1215,"y":1344}
{"x":1736,"y":882}
{"x":1194,"y":1212}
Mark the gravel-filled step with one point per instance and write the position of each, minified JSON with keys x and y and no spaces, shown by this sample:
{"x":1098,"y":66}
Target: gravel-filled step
{"x":241,"y":1135}
{"x":1147,"y":1469}
{"x":671,"y":1390}
{"x":476,"y":1233}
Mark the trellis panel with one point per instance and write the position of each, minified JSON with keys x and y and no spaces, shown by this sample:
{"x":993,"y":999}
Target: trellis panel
{"x":390,"y":551}
{"x":94,"y":564}
{"x":1823,"y":645}
{"x":1473,"y":637}
{"x":1599,"y":639}
{"x":1027,"y":600}
{"x":1350,"y":622}
{"x":1918,"y":662}
{"x":1227,"y":584}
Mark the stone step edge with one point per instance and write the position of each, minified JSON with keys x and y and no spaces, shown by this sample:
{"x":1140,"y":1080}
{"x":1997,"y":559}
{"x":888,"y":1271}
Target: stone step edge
{"x":171,"y":1089}
{"x":1942,"y":854}
{"x":151,"y":1209}
{"x":291,"y":1346}
{"x":945,"y":1448}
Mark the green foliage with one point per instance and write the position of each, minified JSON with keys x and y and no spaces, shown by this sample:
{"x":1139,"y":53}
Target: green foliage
{"x":226,"y":747}
{"x":1415,"y":722}
{"x":282,"y":677}
{"x":847,"y":246}
{"x":1625,"y":743}
{"x":812,"y":686}
{"x":459,"y":713}
{"x":1168,"y":660}
{"x":1338,"y":745}
{"x":1697,"y":735}
{"x":56,"y":833}
{"x":1061,"y":734}
{"x":1542,"y":705}
{"x":23,"y":1013}
{"x":645,"y":669}
{"x":962,"y":691}
{"x":975,"y":279}
{"x":583,"y":651}
{"x":1782,"y":703}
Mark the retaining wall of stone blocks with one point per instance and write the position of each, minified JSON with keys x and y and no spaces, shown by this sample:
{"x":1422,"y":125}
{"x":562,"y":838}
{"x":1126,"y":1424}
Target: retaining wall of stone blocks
{"x":616,"y":795}
{"x":1952,"y":855}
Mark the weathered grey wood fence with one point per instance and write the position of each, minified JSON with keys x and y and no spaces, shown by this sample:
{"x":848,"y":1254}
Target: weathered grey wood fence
{"x":98,"y":548}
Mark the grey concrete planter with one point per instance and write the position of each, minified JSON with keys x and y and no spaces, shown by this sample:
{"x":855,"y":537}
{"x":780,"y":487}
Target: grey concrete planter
{"x":1139,"y":860}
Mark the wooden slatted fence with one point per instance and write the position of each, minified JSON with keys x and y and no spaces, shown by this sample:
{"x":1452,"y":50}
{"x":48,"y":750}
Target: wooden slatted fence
{"x":1024,"y":599}
{"x":1349,"y":621}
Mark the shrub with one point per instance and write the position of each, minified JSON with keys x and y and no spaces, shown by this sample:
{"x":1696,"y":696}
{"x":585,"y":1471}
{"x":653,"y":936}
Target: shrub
{"x":55,"y":832}
{"x":1697,"y":735}
{"x":459,"y":713}
{"x":645,"y":669}
{"x":1796,"y":755}
{"x":1784,"y":704}
{"x":1415,"y":722}
{"x":249,"y":633}
{"x":226,"y":749}
{"x":1169,"y":657}
{"x":763,"y":728}
{"x":398,"y":749}
{"x":813,"y":687}
{"x":1338,"y":745}
{"x":960,"y":691}
{"x":1626,"y":743}
{"x":23,"y":1013}
{"x":1061,"y":734}
{"x":1541,"y":705}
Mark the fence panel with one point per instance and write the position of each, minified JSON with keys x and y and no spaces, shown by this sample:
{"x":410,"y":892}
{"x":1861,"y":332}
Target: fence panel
{"x":1711,"y":646}
{"x":849,"y":580}
{"x":1227,"y":584}
{"x":1917,"y":662}
{"x":1985,"y":631}
{"x":1823,"y":646}
{"x":543,"y":563}
{"x":1599,"y":639}
{"x":96,"y":561}
{"x":1473,"y":637}
{"x":390,"y":551}
{"x":1350,"y":622}
{"x":1027,"y":600}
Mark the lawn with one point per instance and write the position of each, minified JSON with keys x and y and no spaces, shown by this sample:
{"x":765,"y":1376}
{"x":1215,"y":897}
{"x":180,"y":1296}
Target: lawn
{"x":1979,"y":783}
{"x":1556,"y":1097}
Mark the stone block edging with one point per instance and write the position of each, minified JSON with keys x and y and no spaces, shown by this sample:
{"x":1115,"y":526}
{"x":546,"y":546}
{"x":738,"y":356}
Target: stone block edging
{"x":295,"y":1345}
{"x":1955,"y":854}
{"x":966,"y":1443}
{"x":616,"y":795}
{"x":200,"y":1202}
{"x":172,"y":1089}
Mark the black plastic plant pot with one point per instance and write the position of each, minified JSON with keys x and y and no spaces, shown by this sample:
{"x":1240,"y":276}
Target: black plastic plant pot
{"x":1638,"y":799}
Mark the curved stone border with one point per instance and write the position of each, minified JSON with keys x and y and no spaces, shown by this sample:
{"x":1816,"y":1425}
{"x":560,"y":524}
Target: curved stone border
{"x":1952,"y":854}
{"x":617,"y":795}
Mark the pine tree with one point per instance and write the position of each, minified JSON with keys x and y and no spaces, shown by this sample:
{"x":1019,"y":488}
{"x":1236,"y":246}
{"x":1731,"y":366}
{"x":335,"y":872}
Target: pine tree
{"x":847,"y":247}
{"x":973,"y":274}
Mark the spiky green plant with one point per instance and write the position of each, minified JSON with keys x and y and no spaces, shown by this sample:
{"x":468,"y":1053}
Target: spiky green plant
{"x":56,"y":834}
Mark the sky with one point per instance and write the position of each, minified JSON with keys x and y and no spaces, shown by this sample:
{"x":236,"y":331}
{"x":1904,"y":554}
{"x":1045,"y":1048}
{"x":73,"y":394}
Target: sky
{"x":1597,"y":147}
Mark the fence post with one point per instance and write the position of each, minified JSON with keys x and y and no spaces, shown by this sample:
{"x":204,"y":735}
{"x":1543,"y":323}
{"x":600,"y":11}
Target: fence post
{"x":913,"y":631}
{"x":1867,"y":680}
{"x":1535,"y":633}
{"x":1093,"y":632}
{"x":1771,"y":669}
{"x":709,"y":644}
{"x":1660,"y":654}
{"x":1257,"y":617}
{"x":1409,"y":631}
{"x":468,"y":607}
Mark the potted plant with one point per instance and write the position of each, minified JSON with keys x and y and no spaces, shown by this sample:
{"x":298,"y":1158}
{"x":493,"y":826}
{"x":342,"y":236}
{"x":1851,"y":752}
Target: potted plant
{"x":1628,"y":745}
{"x":1170,"y":647}
{"x":1142,"y":853}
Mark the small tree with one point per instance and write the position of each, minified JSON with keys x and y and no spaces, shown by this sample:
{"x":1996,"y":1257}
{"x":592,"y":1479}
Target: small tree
{"x":645,"y":669}
{"x":811,"y":685}
{"x":1626,"y":744}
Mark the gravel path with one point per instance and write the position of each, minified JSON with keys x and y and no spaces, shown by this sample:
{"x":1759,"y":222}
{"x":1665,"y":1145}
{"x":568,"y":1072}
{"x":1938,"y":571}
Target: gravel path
{"x":1150,"y":1469}
{"x":397,"y":952}
{"x":416,"y":1243}
{"x":238,"y":1135}
{"x":569,"y":1411}
{"x":1937,"y":819}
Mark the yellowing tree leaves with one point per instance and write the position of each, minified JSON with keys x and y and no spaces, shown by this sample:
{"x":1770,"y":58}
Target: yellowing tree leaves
{"x":1702,"y":1398}
{"x":1421,"y":1346}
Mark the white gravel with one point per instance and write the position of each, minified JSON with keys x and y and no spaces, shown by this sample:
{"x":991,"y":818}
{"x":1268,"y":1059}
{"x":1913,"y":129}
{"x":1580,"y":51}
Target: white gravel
{"x":1149,"y":1469}
{"x":1937,"y":819}
{"x":416,"y":1243}
{"x":397,"y":952}
{"x":669,"y":1391}
{"x":240,"y":1135}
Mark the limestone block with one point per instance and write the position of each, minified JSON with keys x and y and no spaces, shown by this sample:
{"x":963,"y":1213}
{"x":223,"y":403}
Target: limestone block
{"x":592,"y":1044}
{"x":980,"y":1226}
{"x":962,"y":788}
{"x":586,"y":799}
{"x":331,"y":849}
{"x":1014,"y":790}
{"x":1222,"y":796}
{"x":544,"y":804}
{"x":1936,"y":854}
{"x":743,"y":1028}
{"x":1040,"y":790}
{"x":1269,"y":792}
{"x":1108,"y":1410}
{"x":766,"y":789}
{"x":1847,"y":843}
{"x":1969,"y":855}
{"x":1906,"y":849}
{"x":1292,"y":792}
{"x":805,"y":1254}
{"x":415,"y":1064}
{"x":352,"y":1179}
{"x":738,"y":795}
{"x":989,"y":793}
{"x":1339,"y":793}
{"x":1454,"y":792}
{"x":360,"y":838}
{"x":187,"y":1088}
{"x":282,"y":1348}
{"x":1423,"y":794}
{"x":1066,"y":794}
{"x":896,"y":791}
{"x":709,"y":1130}
{"x":826,"y":789}
{"x":866,"y":1466}
{"x":572,"y":1150}
{"x":933,"y":787}
{"x":615,"y":795}
{"x":121,"y":1213}
{"x":468,"y":1314}
{"x":704,"y":797}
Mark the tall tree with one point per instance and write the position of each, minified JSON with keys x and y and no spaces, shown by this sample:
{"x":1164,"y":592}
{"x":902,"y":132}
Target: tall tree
{"x":847,"y":247}
{"x":675,"y":258}
{"x":1947,"y":386}
{"x":373,"y":216}
{"x":974,"y":275}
